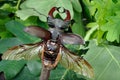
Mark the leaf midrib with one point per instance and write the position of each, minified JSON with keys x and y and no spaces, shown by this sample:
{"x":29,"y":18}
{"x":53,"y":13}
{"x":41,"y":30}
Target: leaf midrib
{"x":112,"y":56}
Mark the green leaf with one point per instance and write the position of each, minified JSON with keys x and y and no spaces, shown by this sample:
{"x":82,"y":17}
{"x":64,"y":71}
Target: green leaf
{"x":105,"y":61}
{"x":5,"y":34}
{"x":104,"y":10}
{"x":31,"y":71}
{"x":94,"y":26}
{"x":89,"y":8}
{"x":18,"y":30}
{"x":11,"y":68}
{"x":64,"y":74}
{"x":112,"y":28}
{"x":30,"y":21}
{"x":7,"y":43}
{"x":8,"y":7}
{"x":104,"y":13}
{"x":26,"y":75}
{"x":41,"y":7}
{"x":34,"y":67}
{"x":78,"y":27}
{"x":62,"y":3}
{"x":76,"y":5}
{"x":100,"y":9}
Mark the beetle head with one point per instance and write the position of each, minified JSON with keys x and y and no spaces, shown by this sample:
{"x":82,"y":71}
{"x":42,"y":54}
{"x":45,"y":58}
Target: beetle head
{"x":58,"y":23}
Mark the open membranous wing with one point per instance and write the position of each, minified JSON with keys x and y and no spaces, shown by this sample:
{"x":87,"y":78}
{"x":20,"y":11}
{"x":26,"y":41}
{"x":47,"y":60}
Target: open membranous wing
{"x":26,"y":52}
{"x":76,"y":63}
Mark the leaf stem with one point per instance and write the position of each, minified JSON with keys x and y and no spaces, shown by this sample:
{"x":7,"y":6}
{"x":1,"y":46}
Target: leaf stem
{"x":64,"y":74}
{"x":18,"y":4}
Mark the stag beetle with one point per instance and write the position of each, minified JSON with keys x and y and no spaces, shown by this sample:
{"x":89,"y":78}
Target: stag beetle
{"x":56,"y":29}
{"x":52,"y":50}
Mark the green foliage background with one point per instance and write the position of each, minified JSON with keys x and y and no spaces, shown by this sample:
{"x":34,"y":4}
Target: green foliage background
{"x":98,"y":21}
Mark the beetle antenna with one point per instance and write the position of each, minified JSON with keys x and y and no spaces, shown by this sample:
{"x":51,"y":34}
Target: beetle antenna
{"x":38,"y":12}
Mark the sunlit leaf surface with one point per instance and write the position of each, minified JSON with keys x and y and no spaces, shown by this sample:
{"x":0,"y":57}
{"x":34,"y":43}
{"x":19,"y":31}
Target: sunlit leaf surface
{"x":105,"y":60}
{"x":113,"y":32}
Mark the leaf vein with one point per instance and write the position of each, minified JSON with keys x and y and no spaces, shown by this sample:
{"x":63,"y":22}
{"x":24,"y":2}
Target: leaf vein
{"x":96,"y":55}
{"x":105,"y":69}
{"x":64,"y":74}
{"x":112,"y":56}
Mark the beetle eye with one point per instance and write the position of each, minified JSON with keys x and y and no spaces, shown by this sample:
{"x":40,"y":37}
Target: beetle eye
{"x":51,"y":25}
{"x":66,"y":29}
{"x":50,"y":22}
{"x":62,"y":28}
